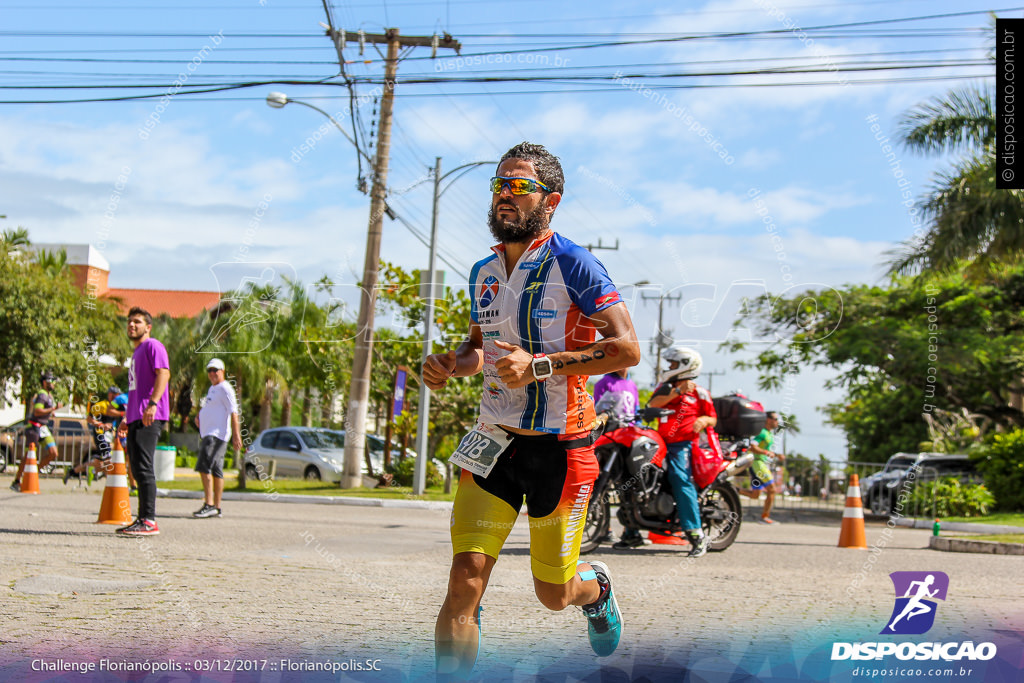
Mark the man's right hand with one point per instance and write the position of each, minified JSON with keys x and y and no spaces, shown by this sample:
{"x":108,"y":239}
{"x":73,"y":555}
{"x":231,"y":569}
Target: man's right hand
{"x":437,"y":368}
{"x":122,"y":430}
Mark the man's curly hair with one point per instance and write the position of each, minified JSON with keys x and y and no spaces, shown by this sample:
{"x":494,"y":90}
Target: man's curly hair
{"x":549,"y":170}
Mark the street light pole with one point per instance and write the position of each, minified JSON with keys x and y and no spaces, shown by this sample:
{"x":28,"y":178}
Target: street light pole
{"x":419,"y":476}
{"x":277,"y":100}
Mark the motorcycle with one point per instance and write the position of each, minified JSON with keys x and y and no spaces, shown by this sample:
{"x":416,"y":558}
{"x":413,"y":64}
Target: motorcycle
{"x":631,"y":456}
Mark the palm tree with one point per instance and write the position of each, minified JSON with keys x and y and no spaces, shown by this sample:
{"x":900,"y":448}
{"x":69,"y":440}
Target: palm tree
{"x":787,"y":424}
{"x":14,"y":239}
{"x":53,"y":263}
{"x":968,"y":220}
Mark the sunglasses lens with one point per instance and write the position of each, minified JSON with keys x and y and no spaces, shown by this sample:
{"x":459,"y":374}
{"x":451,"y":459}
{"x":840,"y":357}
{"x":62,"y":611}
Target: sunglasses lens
{"x":522,"y":186}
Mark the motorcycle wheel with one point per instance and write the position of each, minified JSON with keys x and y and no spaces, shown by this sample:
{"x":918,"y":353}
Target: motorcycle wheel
{"x":599,"y":520}
{"x":721,"y":515}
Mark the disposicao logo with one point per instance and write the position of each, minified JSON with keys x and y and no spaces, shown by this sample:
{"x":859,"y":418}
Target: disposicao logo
{"x":916,"y":595}
{"x":913,"y":613}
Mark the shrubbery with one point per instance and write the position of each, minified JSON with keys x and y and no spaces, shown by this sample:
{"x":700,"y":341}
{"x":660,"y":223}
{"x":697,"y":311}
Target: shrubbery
{"x":1001,"y":461}
{"x":952,"y":498}
{"x":403,"y":469}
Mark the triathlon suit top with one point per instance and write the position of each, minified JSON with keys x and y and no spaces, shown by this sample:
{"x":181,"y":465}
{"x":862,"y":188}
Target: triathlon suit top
{"x":543,"y":308}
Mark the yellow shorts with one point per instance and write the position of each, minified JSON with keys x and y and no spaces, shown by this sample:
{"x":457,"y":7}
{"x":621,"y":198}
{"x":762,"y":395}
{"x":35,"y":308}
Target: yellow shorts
{"x":555,"y":475}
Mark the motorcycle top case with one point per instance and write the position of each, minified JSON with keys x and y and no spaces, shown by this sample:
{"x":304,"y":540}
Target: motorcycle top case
{"x":738,"y":416}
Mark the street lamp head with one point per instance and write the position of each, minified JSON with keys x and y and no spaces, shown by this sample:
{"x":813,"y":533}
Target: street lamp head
{"x":277,"y":99}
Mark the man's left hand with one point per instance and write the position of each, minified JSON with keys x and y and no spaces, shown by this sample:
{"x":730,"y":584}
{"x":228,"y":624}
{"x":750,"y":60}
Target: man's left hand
{"x":515,"y":369}
{"x":236,"y":441}
{"x":148,"y":415}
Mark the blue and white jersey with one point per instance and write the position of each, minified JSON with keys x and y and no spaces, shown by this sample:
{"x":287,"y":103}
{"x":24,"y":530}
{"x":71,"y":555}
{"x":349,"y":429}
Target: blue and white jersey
{"x":543,"y":307}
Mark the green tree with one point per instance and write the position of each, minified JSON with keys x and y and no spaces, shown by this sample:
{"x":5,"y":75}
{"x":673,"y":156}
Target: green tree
{"x":900,"y":351}
{"x":968,"y":219}
{"x":454,"y":409}
{"x":48,"y":324}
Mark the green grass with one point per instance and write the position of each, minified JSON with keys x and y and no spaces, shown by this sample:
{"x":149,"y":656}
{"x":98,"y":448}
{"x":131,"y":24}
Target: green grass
{"x":311,"y":488}
{"x":1005,"y":518}
{"x":998,"y":538}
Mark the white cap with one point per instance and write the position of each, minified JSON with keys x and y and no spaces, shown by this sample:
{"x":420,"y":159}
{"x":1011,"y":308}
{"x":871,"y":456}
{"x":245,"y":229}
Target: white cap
{"x":216,"y":364}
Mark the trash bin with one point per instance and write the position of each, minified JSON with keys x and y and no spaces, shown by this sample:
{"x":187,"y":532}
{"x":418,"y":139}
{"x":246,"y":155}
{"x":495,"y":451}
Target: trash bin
{"x":163,"y":462}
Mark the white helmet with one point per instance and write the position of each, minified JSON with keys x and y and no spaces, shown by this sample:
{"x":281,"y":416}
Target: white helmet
{"x":689,"y":361}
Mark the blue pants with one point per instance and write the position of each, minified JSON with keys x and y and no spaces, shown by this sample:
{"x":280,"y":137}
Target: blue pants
{"x":680,"y":480}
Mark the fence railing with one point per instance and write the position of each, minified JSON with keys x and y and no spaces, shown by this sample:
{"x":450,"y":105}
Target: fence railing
{"x":72,"y":449}
{"x":824,"y":484}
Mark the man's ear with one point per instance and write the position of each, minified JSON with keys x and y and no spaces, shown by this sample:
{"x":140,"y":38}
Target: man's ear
{"x":551,"y":201}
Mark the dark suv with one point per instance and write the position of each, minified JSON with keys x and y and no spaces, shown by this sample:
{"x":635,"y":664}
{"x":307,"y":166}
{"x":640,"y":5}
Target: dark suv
{"x":880,"y":491}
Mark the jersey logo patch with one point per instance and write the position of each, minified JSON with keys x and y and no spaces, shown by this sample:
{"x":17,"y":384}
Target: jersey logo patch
{"x":488,"y":290}
{"x":611,"y":297}
{"x":543,"y":313}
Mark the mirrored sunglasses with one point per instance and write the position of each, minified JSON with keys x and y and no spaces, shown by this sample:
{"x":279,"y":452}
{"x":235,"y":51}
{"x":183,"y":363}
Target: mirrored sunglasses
{"x":518,"y":186}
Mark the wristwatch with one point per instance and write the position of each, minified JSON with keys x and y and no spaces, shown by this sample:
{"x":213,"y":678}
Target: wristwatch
{"x":542,"y":368}
{"x":151,"y":403}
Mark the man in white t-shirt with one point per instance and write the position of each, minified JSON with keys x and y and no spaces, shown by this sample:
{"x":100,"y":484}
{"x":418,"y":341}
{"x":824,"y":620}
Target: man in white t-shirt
{"x":217,"y":419}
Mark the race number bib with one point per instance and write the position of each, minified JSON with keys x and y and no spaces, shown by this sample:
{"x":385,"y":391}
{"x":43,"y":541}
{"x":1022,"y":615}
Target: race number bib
{"x":479,"y":450}
{"x":44,"y":432}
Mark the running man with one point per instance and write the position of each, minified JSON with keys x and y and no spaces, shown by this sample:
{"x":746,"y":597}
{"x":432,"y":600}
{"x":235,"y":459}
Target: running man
{"x":762,"y":470}
{"x":104,"y":417}
{"x":40,"y":423}
{"x":537,"y":304}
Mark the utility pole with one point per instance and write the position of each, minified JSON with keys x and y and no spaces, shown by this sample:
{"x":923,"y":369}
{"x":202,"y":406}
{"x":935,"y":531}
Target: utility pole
{"x":359,"y":388}
{"x":658,"y":342}
{"x":419,"y":477}
{"x":710,"y":374}
{"x":599,"y":245}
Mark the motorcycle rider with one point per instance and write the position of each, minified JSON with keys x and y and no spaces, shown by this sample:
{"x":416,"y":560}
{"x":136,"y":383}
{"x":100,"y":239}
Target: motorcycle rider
{"x":693,"y":413}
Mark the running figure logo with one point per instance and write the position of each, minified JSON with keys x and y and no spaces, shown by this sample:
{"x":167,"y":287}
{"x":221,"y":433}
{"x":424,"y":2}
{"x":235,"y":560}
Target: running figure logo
{"x":916,"y":593}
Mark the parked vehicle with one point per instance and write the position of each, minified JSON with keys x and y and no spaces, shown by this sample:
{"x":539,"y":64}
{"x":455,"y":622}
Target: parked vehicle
{"x":880,"y":491}
{"x":312,"y":453}
{"x":308,"y":452}
{"x":631,"y":457}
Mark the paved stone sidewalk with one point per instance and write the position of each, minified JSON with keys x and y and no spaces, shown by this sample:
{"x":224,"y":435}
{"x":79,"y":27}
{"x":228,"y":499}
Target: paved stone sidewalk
{"x":272,"y":580}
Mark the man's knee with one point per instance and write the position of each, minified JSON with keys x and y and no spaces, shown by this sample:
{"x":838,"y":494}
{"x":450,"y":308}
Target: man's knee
{"x":467,"y":577}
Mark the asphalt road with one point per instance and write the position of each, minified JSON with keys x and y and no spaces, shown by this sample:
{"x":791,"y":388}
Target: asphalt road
{"x":317,"y":583}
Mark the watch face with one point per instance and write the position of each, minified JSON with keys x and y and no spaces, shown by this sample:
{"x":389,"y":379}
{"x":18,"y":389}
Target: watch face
{"x":542,"y":368}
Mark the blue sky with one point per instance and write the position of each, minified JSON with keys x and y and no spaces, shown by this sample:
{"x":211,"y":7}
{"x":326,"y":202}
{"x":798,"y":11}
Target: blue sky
{"x":709,"y":192}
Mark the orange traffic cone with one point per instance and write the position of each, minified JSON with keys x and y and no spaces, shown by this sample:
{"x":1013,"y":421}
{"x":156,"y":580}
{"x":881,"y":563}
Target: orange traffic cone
{"x":852,"y":533}
{"x":115,"y":508}
{"x":30,"y":475}
{"x":667,"y":539}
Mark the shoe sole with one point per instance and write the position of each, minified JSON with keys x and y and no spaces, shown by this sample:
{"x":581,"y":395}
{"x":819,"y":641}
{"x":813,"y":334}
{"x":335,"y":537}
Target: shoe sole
{"x":614,"y":604}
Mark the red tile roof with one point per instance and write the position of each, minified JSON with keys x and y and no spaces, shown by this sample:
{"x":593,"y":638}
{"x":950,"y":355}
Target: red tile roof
{"x":177,"y":304}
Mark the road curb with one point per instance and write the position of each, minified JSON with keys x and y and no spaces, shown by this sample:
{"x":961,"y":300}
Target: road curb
{"x":960,"y":526}
{"x":963,"y":545}
{"x":271,"y":497}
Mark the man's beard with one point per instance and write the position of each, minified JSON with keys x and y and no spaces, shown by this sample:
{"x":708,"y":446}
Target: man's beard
{"x":522,"y":229}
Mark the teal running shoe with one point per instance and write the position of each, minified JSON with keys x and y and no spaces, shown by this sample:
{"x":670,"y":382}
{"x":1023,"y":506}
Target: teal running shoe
{"x":604,"y":622}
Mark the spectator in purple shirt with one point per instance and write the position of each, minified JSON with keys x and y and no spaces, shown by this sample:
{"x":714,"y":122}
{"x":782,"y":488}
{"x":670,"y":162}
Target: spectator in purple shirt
{"x":615,"y":393}
{"x":145,"y":417}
